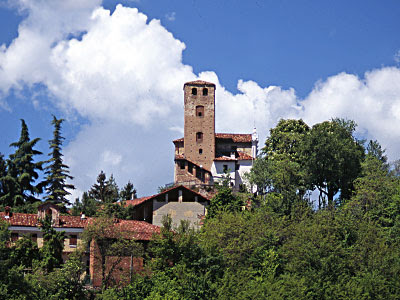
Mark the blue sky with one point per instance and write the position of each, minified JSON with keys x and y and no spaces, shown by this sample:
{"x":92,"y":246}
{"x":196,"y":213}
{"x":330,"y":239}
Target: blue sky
{"x":116,"y":74}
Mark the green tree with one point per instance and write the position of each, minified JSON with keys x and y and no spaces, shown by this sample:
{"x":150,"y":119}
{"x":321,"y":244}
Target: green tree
{"x":285,"y":140}
{"x":104,"y":191}
{"x":62,"y":283}
{"x":57,"y":172}
{"x":332,"y":159}
{"x":280,"y":169}
{"x":375,"y":149}
{"x":22,"y":172}
{"x":53,"y":245}
{"x":3,"y":172}
{"x":377,"y":192}
{"x":260,"y":175}
{"x":128,"y":192}
{"x":224,"y":200}
{"x":87,"y":206}
{"x":25,"y":252}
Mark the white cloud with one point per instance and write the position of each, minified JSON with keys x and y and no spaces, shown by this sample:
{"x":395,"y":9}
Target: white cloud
{"x":171,"y":16}
{"x":396,"y":57}
{"x":125,"y":74}
{"x":373,"y":102}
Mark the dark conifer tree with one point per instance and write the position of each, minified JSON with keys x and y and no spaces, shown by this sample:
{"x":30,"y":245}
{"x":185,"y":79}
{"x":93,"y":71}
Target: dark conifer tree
{"x":128,"y":192}
{"x":2,"y":173}
{"x":19,"y":182}
{"x":105,"y":191}
{"x":57,"y":172}
{"x":98,"y":190}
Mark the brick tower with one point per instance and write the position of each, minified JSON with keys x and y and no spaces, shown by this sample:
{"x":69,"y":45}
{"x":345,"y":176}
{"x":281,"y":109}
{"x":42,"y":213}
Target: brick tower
{"x":199,"y":130}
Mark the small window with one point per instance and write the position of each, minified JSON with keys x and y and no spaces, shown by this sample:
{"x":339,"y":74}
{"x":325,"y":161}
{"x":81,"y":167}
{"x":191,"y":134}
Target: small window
{"x":14,"y":236}
{"x":205,"y":91}
{"x":199,"y":137}
{"x":194,"y":91}
{"x":200,"y":151}
{"x":199,"y":111}
{"x":34,"y":237}
{"x":225,"y":168}
{"x":199,"y":173}
{"x":73,"y":240}
{"x":190,"y":168}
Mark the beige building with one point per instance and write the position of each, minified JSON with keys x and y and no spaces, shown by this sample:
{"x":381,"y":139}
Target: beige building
{"x":179,"y":202}
{"x":28,"y":225}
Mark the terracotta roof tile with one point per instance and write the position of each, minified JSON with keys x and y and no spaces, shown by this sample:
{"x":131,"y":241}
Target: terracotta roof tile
{"x":136,"y":202}
{"x":244,"y":156}
{"x":19,"y":219}
{"x":199,"y":82}
{"x":177,"y":140}
{"x":225,"y":158}
{"x":137,"y":229}
{"x":235,"y":137}
{"x":144,"y":199}
{"x":73,"y":222}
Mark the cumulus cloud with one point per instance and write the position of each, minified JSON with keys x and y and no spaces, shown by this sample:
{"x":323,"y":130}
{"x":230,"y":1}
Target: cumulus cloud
{"x":124,"y":74}
{"x":373,"y":102}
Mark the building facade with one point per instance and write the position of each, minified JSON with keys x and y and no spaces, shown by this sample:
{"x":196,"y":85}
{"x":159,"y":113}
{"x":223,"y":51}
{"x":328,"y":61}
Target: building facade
{"x":28,"y":225}
{"x":203,"y":156}
{"x":178,"y":202}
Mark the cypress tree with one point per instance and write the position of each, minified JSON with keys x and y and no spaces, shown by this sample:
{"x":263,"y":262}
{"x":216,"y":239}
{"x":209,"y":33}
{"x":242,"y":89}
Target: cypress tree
{"x":18,"y":184}
{"x":57,"y":172}
{"x":2,"y":173}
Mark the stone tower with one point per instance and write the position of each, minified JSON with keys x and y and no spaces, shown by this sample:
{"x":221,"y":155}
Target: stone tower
{"x":199,"y":130}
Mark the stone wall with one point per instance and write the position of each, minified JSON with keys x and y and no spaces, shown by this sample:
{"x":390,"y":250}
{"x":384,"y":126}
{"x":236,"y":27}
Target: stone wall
{"x":191,"y":211}
{"x":201,"y":151}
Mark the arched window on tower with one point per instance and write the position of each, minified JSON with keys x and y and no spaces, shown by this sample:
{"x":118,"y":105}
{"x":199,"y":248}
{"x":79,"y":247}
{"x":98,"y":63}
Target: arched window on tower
{"x":199,"y":137}
{"x":200,"y":111}
{"x":194,"y":91}
{"x":205,"y":91}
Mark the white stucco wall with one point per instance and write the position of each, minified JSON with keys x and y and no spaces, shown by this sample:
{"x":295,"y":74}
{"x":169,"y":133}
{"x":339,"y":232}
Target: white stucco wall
{"x":217,"y":170}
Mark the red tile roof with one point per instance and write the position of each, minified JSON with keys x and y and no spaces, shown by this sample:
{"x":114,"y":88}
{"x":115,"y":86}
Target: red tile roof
{"x":19,"y":219}
{"x":178,"y":140}
{"x":239,"y":156}
{"x":244,"y":156}
{"x":225,"y":158}
{"x":73,"y":222}
{"x":136,"y":202}
{"x":138,"y":229}
{"x":235,"y":137}
{"x":199,"y":82}
{"x":145,"y":199}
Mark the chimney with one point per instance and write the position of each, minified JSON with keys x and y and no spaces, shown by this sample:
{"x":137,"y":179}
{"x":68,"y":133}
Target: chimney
{"x":7,"y":211}
{"x":83,"y":217}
